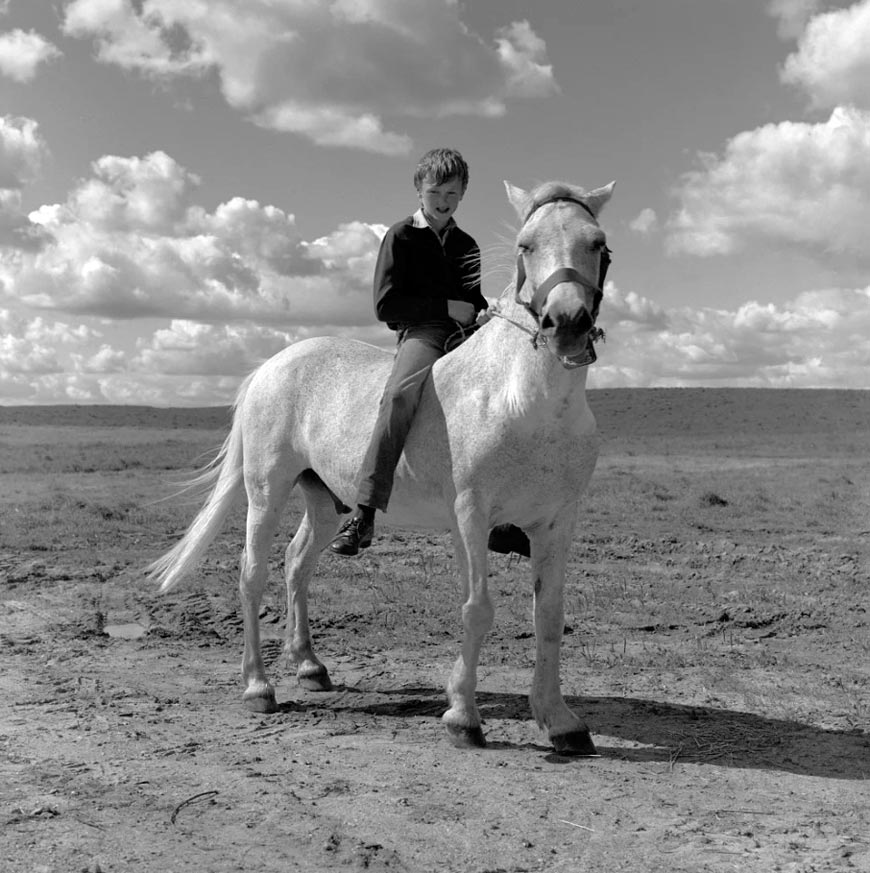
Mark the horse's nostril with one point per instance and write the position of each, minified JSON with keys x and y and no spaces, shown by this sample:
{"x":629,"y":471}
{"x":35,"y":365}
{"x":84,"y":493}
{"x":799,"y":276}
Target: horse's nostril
{"x":581,"y":321}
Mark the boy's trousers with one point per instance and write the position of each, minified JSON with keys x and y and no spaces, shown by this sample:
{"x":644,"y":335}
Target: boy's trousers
{"x":419,"y":346}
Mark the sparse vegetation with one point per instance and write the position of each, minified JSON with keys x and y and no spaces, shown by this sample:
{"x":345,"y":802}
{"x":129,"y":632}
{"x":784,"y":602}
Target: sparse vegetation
{"x":716,"y":640}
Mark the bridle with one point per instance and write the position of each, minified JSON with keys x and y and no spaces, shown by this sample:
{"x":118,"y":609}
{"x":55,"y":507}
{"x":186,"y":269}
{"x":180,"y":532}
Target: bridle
{"x":536,"y":305}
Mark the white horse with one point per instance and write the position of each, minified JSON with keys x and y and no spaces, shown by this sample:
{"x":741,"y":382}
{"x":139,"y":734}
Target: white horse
{"x":503,"y":434}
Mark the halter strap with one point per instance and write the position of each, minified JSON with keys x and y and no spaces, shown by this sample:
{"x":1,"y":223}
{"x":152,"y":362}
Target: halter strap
{"x":563,"y":274}
{"x":562,"y":199}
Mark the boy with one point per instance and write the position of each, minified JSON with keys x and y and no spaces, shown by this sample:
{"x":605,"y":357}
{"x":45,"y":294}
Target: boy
{"x":427,"y":281}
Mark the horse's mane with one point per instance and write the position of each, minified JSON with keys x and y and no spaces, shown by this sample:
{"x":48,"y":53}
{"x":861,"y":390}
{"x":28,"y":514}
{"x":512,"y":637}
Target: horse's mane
{"x":548,"y":191}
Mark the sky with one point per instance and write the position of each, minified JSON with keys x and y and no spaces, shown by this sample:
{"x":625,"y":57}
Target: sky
{"x":188,"y":186}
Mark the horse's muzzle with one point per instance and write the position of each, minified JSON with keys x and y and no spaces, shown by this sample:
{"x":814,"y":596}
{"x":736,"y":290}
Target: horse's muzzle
{"x":565,"y":325}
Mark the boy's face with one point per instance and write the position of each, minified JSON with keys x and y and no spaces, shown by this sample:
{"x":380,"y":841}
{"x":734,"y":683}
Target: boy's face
{"x":439,"y":202}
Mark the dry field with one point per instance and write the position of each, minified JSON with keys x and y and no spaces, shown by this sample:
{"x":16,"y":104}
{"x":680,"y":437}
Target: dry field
{"x":717,"y":643}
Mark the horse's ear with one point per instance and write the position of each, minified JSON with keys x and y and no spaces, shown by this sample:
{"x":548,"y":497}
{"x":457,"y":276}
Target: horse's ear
{"x":596,"y":199}
{"x":519,"y":199}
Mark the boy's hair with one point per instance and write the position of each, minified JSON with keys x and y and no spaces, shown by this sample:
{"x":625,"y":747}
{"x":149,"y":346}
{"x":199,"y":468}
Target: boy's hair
{"x":441,"y":165}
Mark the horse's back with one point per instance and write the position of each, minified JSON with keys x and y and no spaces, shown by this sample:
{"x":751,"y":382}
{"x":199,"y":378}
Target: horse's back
{"x":325,"y":370}
{"x":313,"y":406}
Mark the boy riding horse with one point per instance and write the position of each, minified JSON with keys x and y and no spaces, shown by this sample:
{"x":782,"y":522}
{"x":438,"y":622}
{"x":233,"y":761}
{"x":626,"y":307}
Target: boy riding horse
{"x":426,"y":286}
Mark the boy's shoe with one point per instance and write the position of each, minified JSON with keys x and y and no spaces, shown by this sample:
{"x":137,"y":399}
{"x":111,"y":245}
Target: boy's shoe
{"x":507,"y":538}
{"x":355,"y":534}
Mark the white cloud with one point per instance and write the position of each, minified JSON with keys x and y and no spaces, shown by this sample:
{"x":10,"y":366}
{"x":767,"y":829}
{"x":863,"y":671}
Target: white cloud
{"x":105,"y":360}
{"x":237,"y":284}
{"x":33,"y":348}
{"x":148,"y":195}
{"x":186,"y":363}
{"x":633,"y":308}
{"x":187,"y":348}
{"x":329,"y":126}
{"x":130,"y":242}
{"x":349,"y":248}
{"x":146,"y":38}
{"x":38,"y":329}
{"x":792,"y":15}
{"x":17,"y":232}
{"x":22,"y":150}
{"x":645,"y":222}
{"x":21,"y":54}
{"x":44,"y":361}
{"x":797,"y":183}
{"x":20,"y":355}
{"x":816,"y":340}
{"x":331,"y":72}
{"x":524,"y":54}
{"x":832,"y":61}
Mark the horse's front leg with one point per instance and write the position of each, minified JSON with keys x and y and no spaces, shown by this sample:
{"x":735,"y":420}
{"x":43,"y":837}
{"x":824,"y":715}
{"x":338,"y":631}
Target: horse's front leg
{"x":462,"y":719}
{"x":568,"y":734}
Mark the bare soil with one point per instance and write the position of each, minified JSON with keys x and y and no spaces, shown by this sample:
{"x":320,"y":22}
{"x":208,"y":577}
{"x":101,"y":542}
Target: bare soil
{"x":717,"y":644}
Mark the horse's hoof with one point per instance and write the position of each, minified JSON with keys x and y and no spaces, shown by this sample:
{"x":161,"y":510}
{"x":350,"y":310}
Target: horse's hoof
{"x":315,"y":680}
{"x":466,"y":738}
{"x":265,"y":703}
{"x":576,"y":743}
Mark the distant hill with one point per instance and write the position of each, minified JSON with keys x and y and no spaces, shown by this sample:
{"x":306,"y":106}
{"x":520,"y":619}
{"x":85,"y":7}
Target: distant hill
{"x":629,"y":412}
{"x":730,"y":411}
{"x":203,"y":417}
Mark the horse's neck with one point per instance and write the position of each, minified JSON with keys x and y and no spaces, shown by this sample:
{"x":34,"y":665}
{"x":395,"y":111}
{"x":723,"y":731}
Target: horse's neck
{"x":519,"y":377}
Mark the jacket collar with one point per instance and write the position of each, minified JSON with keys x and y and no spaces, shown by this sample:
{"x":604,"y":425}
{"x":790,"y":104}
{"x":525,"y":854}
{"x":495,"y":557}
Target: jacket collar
{"x":418,"y":220}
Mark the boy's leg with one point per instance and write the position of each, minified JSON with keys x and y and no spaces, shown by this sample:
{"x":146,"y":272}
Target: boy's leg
{"x":419,"y":348}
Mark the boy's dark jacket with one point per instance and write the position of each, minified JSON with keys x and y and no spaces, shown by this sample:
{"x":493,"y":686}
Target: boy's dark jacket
{"x":415,"y":276}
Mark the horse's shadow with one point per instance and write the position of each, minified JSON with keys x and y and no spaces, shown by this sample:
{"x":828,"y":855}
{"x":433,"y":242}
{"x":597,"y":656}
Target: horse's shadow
{"x":645,"y":731}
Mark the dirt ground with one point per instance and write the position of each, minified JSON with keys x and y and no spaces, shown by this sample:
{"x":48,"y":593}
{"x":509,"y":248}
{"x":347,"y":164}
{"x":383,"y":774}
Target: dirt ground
{"x":717,"y":644}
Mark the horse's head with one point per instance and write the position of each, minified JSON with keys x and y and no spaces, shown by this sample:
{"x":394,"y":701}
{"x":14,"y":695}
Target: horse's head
{"x":562,"y":257}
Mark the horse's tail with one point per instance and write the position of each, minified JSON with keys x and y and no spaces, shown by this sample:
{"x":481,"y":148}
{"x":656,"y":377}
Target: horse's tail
{"x":224,"y":475}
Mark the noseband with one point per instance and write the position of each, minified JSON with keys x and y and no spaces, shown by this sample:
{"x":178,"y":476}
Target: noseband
{"x":564,"y":274}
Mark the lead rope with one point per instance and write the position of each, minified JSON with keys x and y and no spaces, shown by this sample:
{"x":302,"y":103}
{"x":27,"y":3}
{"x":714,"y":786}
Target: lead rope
{"x":460,"y":335}
{"x":595,"y":335}
{"x":534,"y":334}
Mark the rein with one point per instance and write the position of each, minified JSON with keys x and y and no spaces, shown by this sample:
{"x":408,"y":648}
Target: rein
{"x":557,"y":277}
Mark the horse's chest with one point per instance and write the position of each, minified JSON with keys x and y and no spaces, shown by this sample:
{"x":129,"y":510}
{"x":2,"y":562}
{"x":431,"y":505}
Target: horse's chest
{"x":541,"y":433}
{"x":548,"y":456}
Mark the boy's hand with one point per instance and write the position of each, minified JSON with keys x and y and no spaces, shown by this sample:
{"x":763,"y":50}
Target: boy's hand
{"x":461,"y":311}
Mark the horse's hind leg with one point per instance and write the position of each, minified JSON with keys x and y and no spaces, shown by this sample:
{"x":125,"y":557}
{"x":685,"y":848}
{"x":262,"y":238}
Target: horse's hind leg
{"x":264,"y":510}
{"x":316,"y":530}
